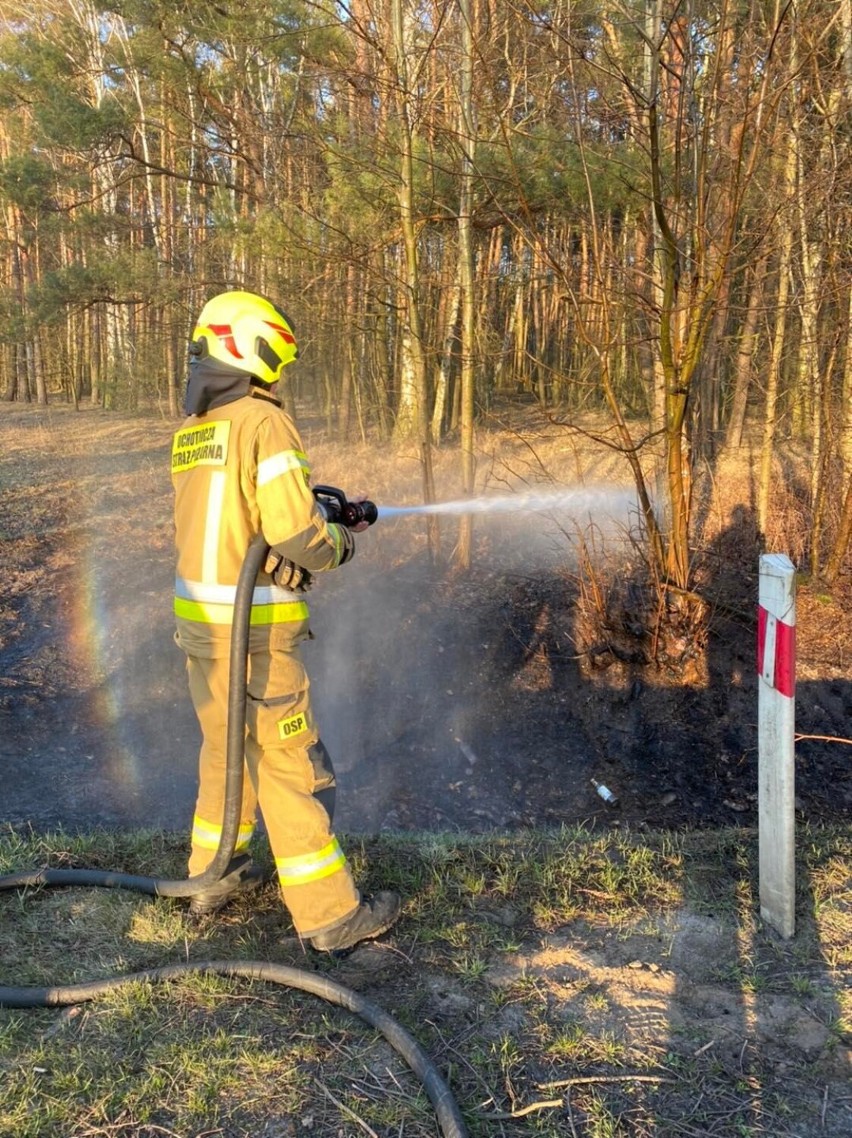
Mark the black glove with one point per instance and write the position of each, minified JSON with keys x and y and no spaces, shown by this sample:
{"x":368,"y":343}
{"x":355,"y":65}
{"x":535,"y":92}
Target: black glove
{"x":288,"y":575}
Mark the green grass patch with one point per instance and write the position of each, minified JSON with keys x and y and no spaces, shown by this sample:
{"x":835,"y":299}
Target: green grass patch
{"x":512,"y":965}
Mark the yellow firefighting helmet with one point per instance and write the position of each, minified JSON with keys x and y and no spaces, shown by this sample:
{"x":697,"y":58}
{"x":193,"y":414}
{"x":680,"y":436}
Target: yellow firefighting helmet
{"x":246,"y":332}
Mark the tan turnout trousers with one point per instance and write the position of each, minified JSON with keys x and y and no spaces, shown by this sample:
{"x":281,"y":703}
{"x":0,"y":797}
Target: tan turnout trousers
{"x":288,"y":773}
{"x":238,"y":470}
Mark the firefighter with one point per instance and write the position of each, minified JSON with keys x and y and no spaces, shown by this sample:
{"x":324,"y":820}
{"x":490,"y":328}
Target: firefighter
{"x":239,"y":468}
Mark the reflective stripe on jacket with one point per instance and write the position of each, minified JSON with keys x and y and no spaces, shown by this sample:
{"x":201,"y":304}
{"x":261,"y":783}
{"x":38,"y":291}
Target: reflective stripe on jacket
{"x":214,"y":604}
{"x":238,"y":470}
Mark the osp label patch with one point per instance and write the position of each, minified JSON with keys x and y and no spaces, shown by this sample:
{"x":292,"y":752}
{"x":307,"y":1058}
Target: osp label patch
{"x":204,"y":445}
{"x":295,"y":725}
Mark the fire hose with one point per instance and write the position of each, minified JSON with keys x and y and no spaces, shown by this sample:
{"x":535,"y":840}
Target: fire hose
{"x":334,"y":505}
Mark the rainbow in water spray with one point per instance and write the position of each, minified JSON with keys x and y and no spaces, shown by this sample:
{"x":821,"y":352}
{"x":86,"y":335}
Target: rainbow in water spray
{"x":585,"y":500}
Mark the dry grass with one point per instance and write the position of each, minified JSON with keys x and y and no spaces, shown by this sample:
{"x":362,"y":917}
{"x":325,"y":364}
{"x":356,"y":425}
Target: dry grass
{"x":557,"y":979}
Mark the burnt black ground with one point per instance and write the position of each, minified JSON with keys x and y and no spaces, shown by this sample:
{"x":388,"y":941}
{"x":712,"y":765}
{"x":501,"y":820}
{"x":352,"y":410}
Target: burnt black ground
{"x":448,"y":703}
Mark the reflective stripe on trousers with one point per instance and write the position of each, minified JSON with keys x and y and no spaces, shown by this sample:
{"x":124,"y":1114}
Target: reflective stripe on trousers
{"x":207,"y":835}
{"x":310,"y":867}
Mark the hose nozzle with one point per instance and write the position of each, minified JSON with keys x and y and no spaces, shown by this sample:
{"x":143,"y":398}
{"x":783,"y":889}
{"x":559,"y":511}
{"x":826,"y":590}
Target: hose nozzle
{"x":335,"y":507}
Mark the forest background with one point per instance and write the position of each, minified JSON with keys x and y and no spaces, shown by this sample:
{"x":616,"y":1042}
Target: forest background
{"x":635,"y":214}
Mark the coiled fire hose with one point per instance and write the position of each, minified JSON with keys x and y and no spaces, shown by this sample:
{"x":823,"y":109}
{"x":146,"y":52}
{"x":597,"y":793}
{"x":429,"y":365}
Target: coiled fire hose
{"x":446,"y":1109}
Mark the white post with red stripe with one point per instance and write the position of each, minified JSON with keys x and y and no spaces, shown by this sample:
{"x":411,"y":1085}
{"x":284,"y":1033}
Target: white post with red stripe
{"x":776,"y":711}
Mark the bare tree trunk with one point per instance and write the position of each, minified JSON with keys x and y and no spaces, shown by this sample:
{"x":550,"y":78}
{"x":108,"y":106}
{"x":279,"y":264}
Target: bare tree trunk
{"x":346,"y":377}
{"x":380,"y":341}
{"x":37,"y":363}
{"x":706,"y":415}
{"x":93,"y":328}
{"x":653,"y":25}
{"x":174,"y":365}
{"x":810,"y":378}
{"x":466,"y":279}
{"x":413,"y":418}
{"x":846,"y":398}
{"x":745,"y":356}
{"x":442,"y":378}
{"x":842,"y":541}
{"x":770,"y":424}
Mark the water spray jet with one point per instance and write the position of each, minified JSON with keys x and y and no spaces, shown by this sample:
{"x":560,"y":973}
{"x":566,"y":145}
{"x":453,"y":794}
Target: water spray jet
{"x":576,"y":501}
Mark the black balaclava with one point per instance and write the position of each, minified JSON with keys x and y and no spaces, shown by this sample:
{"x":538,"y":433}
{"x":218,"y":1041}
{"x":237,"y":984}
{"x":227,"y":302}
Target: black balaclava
{"x":211,"y":384}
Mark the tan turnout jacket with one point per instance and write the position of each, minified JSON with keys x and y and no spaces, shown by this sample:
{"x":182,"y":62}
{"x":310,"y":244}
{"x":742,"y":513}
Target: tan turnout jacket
{"x":238,"y":470}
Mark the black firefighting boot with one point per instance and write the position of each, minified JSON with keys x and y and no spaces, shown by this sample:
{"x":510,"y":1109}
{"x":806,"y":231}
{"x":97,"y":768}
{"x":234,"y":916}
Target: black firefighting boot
{"x":372,"y":918}
{"x":241,"y":876}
